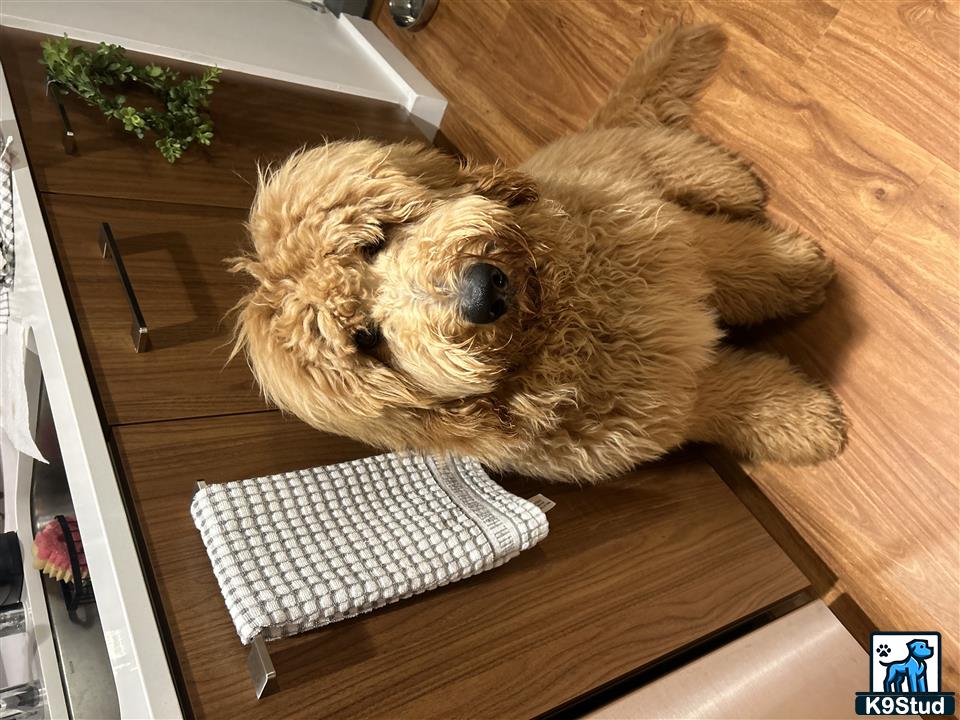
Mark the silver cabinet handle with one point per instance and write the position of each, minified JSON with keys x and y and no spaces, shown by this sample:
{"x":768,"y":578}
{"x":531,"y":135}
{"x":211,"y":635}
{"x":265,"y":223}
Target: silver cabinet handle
{"x":69,"y":139}
{"x":138,"y":331}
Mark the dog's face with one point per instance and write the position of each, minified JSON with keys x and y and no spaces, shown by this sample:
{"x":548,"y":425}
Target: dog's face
{"x":920,"y":649}
{"x":390,"y":279}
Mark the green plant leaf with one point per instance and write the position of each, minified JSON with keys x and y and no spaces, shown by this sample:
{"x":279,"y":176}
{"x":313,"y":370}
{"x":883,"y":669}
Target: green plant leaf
{"x":85,"y":72}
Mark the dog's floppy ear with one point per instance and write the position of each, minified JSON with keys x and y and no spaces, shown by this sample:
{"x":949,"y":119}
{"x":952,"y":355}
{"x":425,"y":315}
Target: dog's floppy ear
{"x":497,"y":182}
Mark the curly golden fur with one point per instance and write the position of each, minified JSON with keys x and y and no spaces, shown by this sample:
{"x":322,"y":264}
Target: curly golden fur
{"x":624,"y":247}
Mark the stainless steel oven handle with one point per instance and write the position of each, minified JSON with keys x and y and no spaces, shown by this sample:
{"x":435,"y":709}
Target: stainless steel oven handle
{"x":138,"y":330}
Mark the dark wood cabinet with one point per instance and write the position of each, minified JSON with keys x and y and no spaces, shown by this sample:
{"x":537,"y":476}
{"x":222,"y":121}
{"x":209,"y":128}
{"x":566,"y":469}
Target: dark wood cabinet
{"x":174,"y":256}
{"x":631,"y":573}
{"x":256,"y":120}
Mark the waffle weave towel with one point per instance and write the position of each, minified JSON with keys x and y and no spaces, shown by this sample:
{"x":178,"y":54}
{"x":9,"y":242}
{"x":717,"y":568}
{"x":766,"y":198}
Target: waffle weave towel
{"x":300,"y":550}
{"x":6,"y":231}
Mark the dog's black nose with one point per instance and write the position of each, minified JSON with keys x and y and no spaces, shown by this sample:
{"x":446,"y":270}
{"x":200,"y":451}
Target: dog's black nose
{"x":485,"y":293}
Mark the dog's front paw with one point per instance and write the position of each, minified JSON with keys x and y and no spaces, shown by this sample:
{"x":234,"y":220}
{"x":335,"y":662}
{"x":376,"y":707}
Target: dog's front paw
{"x":816,"y":417}
{"x":747,"y":193}
{"x":765,"y":409}
{"x":755,"y":198}
{"x":731,"y":187}
{"x":804,"y":273}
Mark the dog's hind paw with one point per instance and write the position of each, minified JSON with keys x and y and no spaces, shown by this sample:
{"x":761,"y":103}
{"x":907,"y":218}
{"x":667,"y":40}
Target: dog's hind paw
{"x":763,"y":408}
{"x":819,"y":426}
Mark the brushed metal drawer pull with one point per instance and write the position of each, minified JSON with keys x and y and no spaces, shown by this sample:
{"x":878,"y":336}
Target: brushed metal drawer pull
{"x":138,"y":331}
{"x":69,"y":139}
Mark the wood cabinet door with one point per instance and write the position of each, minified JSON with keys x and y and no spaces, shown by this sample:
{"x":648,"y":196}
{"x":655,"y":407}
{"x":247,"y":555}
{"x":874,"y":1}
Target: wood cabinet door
{"x":174,"y":256}
{"x":632,"y":572}
{"x":255,"y":120}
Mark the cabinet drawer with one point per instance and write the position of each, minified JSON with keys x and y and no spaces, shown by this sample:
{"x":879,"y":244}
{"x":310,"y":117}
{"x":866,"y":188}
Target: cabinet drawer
{"x":174,"y":257}
{"x":631,"y":572}
{"x":255,"y":119}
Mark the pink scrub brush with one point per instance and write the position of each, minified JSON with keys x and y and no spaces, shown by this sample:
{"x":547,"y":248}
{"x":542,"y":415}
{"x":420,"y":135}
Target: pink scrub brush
{"x":50,"y":554}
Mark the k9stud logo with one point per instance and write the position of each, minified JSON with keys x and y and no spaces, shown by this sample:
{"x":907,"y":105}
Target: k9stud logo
{"x":905,"y":676}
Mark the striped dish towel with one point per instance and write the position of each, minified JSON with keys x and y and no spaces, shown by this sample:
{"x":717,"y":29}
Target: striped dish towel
{"x":300,"y":550}
{"x":6,"y":232}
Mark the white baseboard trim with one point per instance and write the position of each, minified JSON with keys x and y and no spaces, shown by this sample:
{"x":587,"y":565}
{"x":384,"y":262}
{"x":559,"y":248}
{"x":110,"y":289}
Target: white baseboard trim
{"x":424,"y":102}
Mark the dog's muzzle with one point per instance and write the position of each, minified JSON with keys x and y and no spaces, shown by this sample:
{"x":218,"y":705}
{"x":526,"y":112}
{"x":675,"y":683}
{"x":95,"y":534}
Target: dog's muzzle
{"x":485,"y":293}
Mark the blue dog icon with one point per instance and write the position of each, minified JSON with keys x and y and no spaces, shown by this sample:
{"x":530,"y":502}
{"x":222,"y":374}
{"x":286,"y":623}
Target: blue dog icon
{"x":912,"y":668}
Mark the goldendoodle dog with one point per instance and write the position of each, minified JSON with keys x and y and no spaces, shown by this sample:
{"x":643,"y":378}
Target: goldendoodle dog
{"x":562,"y":319}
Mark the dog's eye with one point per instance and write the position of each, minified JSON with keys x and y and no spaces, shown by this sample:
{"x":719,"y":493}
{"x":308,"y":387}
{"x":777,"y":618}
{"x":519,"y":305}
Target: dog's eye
{"x":367,"y":338}
{"x":371,"y":250}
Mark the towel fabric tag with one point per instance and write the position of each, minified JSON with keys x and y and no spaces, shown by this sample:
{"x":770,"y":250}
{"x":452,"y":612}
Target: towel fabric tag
{"x":543,"y":502}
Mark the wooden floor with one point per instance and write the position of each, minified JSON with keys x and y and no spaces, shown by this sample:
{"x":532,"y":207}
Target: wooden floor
{"x":849,"y":109}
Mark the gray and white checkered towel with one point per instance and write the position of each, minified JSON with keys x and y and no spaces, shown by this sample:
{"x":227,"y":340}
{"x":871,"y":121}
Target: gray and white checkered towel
{"x":6,"y":231}
{"x":300,"y":550}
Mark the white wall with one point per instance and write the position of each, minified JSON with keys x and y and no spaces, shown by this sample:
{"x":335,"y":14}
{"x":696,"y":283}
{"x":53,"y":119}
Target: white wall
{"x":281,"y":39}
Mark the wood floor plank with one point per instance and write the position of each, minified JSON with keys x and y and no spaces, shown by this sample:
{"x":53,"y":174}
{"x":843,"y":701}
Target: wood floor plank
{"x":790,"y":29}
{"x":918,"y":250}
{"x":832,"y":168}
{"x":467,"y":47}
{"x":571,"y":79}
{"x":899,"y":61}
{"x":508,"y":115}
{"x":454,"y":54}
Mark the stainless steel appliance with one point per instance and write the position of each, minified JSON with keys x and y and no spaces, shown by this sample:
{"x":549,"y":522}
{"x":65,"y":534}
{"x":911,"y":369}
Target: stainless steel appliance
{"x":84,"y":675}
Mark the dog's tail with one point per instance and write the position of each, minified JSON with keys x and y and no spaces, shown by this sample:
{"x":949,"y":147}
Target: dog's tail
{"x":663,"y":83}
